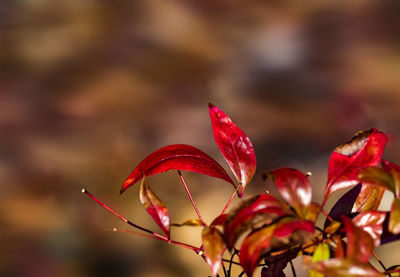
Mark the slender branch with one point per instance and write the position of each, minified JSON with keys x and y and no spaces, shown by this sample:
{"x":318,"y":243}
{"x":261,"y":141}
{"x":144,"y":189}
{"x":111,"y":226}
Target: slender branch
{"x":191,"y":198}
{"x":223,"y":267}
{"x":292,"y":267}
{"x":231,"y":261}
{"x":230,"y":199}
{"x":326,"y":214}
{"x":188,"y":246}
{"x":121,"y":217}
{"x":380,"y":262}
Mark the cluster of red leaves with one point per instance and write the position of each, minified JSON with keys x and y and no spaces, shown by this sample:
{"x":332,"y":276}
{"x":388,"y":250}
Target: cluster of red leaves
{"x":279,"y":231}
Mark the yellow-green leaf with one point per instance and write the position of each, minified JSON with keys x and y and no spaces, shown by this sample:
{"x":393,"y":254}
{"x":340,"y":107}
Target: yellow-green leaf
{"x":322,"y":253}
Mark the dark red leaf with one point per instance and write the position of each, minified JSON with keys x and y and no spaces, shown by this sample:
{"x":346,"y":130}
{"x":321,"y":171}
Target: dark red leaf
{"x":234,"y":145}
{"x":394,"y":171}
{"x":155,"y":207}
{"x":213,"y":245}
{"x":286,"y":233}
{"x":294,"y":187}
{"x":371,"y":222}
{"x":219,"y":220}
{"x":369,"y":198}
{"x":272,"y":272}
{"x":277,"y":263}
{"x":344,"y":205}
{"x":364,"y":149}
{"x":178,"y":157}
{"x":359,"y":243}
{"x":339,"y":267}
{"x":254,"y":212}
{"x":394,"y":222}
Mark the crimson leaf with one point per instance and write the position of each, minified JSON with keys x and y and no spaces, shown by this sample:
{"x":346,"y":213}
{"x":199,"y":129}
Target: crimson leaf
{"x":178,"y":157}
{"x":234,"y":145}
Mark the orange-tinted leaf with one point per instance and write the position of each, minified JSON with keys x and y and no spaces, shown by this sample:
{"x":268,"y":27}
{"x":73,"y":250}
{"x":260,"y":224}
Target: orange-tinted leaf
{"x":254,"y":212}
{"x":369,"y":198}
{"x":332,"y":227}
{"x":394,"y":171}
{"x":189,"y":222}
{"x":283,"y":234}
{"x":344,"y":268}
{"x":178,"y":157}
{"x":155,"y":207}
{"x":213,"y":245}
{"x":339,"y":251}
{"x":377,"y":176}
{"x":394,"y":222}
{"x":371,"y":222}
{"x":294,"y":187}
{"x":359,"y":243}
{"x":313,"y":211}
{"x":254,"y":247}
{"x":364,"y":149}
{"x":234,"y":145}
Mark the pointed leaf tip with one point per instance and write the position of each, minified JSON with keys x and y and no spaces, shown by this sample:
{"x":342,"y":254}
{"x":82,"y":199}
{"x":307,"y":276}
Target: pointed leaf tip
{"x":213,"y":245}
{"x":234,"y":145}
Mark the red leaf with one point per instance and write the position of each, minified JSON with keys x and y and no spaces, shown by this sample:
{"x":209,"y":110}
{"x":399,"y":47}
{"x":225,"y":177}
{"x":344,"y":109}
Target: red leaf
{"x":394,"y":171}
{"x":213,"y":245}
{"x":286,"y":233}
{"x":364,"y":149}
{"x":394,"y":222}
{"x":339,"y":267}
{"x":294,"y":187}
{"x":359,"y":243}
{"x":178,"y":157}
{"x":371,"y":222}
{"x":155,"y":207}
{"x":234,"y":145}
{"x":254,"y":212}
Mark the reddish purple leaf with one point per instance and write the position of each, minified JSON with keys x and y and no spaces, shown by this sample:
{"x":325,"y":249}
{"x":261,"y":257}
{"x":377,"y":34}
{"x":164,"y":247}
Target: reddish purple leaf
{"x":294,"y":187}
{"x":394,"y":222}
{"x":394,"y":171}
{"x":359,"y":243}
{"x":343,"y":267}
{"x":155,"y":207}
{"x":234,"y":145}
{"x":213,"y":245}
{"x":284,"y":234}
{"x":371,"y":222}
{"x":178,"y":157}
{"x":344,"y":205}
{"x":254,"y":212}
{"x":277,"y":262}
{"x":364,"y":149}
{"x":219,"y":220}
{"x":386,"y":235}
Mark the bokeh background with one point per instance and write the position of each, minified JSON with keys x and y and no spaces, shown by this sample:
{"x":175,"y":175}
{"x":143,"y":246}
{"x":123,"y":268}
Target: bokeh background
{"x":89,"y":88}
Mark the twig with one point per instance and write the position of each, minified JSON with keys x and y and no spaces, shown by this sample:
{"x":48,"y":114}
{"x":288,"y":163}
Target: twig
{"x":292,"y":267}
{"x":230,"y":200}
{"x":191,"y":198}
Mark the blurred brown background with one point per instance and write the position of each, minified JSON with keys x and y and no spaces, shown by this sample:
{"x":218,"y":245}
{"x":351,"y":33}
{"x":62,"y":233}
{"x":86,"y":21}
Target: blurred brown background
{"x":89,"y":88}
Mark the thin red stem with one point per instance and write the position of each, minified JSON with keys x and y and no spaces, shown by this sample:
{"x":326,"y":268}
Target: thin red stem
{"x":123,"y":218}
{"x":230,"y":200}
{"x":191,"y":198}
{"x":188,"y":246}
{"x":326,"y":214}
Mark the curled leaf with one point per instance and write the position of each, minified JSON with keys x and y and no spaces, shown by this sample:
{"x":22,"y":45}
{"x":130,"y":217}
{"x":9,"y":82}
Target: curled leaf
{"x":294,"y":187}
{"x":178,"y":157}
{"x":359,"y":243}
{"x":364,"y":149}
{"x":234,"y":145}
{"x":394,"y":222}
{"x":371,"y":222}
{"x":213,"y":245}
{"x":377,"y":176}
{"x":155,"y":207}
{"x":253,"y":213}
{"x":369,"y":198}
